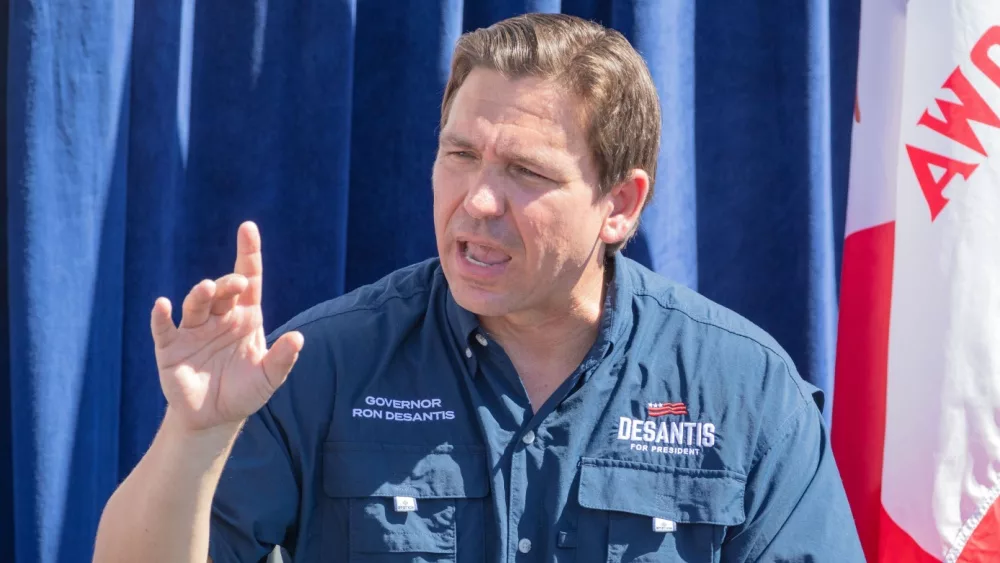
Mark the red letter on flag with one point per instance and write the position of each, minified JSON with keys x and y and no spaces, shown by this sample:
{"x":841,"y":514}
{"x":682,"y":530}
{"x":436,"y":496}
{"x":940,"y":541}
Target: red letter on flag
{"x":981,"y":54}
{"x":922,"y":161}
{"x":957,"y":116}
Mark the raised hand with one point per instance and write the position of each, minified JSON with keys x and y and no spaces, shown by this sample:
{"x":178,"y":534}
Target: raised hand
{"x":215,"y":368}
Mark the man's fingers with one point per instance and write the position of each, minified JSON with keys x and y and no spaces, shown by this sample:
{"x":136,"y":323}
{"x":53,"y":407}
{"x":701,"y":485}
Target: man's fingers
{"x":249,"y":262}
{"x":282,"y":356}
{"x":161,"y":323}
{"x":227,"y":291}
{"x":198,"y":304}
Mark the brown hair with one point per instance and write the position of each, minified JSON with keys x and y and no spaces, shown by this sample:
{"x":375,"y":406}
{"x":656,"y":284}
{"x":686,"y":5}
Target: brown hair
{"x":597,"y":64}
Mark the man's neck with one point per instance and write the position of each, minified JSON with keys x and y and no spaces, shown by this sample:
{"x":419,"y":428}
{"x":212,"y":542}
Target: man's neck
{"x":546,"y":346}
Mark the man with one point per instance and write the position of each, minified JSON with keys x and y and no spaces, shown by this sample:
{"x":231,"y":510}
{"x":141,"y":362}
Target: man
{"x":528,"y":395}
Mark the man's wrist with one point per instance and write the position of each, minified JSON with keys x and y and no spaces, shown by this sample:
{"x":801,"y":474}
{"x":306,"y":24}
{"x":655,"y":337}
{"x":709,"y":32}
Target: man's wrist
{"x":207,"y":444}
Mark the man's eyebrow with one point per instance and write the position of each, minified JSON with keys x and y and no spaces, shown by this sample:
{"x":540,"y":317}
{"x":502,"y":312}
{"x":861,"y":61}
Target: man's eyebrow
{"x":457,"y":140}
{"x":529,"y":160}
{"x":542,"y":157}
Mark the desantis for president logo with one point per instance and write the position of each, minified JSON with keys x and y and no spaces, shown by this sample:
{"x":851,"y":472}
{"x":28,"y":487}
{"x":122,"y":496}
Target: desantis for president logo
{"x":676,"y":437}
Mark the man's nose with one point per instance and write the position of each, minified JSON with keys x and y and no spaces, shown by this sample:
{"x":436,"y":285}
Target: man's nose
{"x":484,"y":199}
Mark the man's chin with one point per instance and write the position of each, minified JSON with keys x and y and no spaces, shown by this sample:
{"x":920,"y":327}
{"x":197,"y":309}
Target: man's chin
{"x":479,"y":301}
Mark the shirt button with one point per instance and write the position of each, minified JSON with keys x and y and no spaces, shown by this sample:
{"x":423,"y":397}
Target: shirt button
{"x":481,"y":339}
{"x":524,"y":546}
{"x":468,"y":352}
{"x":528,"y":438}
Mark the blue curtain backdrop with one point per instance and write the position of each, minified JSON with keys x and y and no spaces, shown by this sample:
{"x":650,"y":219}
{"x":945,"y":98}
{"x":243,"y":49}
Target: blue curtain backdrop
{"x":138,"y":135}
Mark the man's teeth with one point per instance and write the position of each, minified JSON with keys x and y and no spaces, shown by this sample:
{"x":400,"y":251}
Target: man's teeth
{"x":469,"y":257}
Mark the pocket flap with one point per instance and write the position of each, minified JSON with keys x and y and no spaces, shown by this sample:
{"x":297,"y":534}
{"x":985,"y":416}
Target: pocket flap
{"x":693,"y":496}
{"x":386,"y":470}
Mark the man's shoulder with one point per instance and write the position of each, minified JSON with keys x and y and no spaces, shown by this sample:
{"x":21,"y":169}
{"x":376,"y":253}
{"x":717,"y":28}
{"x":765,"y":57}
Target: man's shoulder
{"x":680,"y":305}
{"x":403,"y":292}
{"x":729,"y":341}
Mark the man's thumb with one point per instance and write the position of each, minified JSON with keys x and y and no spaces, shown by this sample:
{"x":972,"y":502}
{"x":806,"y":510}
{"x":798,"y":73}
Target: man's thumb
{"x":282,"y":356}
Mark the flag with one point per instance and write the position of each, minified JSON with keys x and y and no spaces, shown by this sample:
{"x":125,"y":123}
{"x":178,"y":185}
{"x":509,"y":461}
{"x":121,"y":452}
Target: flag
{"x":916,"y":403}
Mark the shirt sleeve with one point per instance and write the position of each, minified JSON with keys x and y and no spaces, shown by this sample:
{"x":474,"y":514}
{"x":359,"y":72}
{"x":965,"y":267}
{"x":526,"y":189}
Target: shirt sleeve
{"x":795,"y":505}
{"x":268,"y":489}
{"x":256,"y":503}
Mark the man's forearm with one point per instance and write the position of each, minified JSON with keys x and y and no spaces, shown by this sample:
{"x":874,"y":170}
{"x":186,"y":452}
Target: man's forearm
{"x":161,"y":512}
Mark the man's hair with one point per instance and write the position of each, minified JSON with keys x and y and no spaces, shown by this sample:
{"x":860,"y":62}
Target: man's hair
{"x":597,"y":64}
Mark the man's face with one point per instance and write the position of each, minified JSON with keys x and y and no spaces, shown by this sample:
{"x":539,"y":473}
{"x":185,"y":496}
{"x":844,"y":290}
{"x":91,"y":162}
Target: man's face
{"x":517,"y":213}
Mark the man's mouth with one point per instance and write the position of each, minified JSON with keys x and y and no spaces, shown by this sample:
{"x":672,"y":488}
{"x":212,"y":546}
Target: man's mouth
{"x":482,"y":255}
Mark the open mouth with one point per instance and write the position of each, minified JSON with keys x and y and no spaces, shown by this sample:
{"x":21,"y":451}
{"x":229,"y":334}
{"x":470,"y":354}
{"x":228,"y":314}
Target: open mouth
{"x":482,"y":255}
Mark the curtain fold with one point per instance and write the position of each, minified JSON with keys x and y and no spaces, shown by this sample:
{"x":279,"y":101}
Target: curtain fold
{"x":137,"y":136}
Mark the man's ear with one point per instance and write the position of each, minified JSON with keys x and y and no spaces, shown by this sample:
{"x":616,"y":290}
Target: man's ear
{"x":625,"y":202}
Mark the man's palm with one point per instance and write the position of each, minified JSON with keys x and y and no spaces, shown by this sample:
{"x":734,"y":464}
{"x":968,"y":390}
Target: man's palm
{"x":215,"y":367}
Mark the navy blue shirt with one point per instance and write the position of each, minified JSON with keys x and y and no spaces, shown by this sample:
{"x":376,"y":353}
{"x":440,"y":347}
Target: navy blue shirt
{"x":404,"y":434}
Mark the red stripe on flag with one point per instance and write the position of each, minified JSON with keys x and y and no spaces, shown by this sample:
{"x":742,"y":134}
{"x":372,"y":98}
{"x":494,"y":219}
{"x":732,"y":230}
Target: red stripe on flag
{"x":896,"y":546}
{"x":984,"y":545}
{"x":665,"y":413}
{"x":858,"y":431}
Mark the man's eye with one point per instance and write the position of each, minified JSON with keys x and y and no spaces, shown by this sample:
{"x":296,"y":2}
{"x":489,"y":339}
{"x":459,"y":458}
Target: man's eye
{"x":525,"y":172}
{"x":461,"y":154}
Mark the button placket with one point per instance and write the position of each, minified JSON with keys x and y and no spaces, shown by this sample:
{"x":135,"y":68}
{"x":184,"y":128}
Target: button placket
{"x":518,"y":488}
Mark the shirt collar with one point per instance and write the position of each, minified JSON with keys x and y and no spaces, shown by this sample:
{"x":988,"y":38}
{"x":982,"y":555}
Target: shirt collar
{"x":616,"y":318}
{"x":463,"y":322}
{"x":617,"y":315}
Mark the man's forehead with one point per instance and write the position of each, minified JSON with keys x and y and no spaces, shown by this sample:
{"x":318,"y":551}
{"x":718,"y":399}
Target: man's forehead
{"x":515,"y":115}
{"x":543,"y":98}
{"x":477,"y":134}
{"x":487,"y":100}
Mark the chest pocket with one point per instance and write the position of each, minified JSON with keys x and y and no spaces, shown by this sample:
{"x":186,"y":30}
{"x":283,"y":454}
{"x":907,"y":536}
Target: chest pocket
{"x":640,"y":512}
{"x":405,"y":503}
